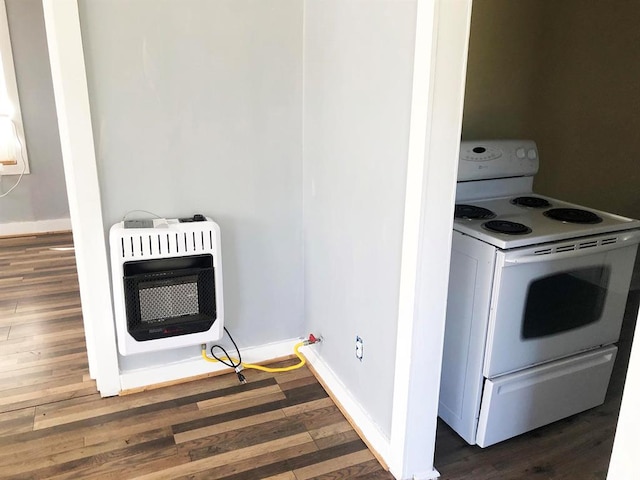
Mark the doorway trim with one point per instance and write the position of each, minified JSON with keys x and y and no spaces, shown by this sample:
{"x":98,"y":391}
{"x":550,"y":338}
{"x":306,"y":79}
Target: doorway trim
{"x":442,"y":37}
{"x":71,"y":95}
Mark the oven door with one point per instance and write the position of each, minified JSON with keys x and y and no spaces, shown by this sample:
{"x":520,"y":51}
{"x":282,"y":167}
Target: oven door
{"x":552,"y":301}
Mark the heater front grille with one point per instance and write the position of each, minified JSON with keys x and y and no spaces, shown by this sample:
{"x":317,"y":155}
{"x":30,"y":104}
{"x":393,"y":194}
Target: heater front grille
{"x":177,"y":292}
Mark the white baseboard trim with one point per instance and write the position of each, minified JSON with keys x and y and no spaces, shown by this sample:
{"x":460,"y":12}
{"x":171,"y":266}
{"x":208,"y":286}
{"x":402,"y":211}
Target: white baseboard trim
{"x":367,"y":427}
{"x":38,"y":226}
{"x":432,"y":475}
{"x":196,"y":366}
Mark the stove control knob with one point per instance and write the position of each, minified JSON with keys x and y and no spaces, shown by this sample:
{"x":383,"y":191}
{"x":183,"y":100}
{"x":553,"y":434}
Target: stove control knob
{"x":532,"y":154}
{"x":520,"y":153}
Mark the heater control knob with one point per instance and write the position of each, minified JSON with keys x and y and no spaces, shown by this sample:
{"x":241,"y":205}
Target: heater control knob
{"x":199,"y":218}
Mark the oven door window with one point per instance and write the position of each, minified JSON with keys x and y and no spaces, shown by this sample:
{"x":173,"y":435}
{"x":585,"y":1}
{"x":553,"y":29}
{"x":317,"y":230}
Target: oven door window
{"x":553,"y":306}
{"x":565,"y":301}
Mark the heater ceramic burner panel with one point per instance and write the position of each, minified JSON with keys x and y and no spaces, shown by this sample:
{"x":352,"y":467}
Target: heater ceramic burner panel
{"x":573,"y":215}
{"x":531,"y":202}
{"x":167,"y":281}
{"x":472,"y":212}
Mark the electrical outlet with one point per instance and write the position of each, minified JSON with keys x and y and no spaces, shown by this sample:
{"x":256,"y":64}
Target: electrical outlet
{"x":359,"y":348}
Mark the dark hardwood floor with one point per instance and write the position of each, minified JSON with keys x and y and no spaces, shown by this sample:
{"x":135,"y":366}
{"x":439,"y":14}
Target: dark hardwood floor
{"x":576,"y":448}
{"x":53,"y":424}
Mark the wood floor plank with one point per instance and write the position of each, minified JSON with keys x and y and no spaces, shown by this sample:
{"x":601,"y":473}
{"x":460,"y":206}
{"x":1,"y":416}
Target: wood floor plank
{"x":35,"y":361}
{"x":57,"y":385}
{"x":46,"y":396}
{"x":239,"y":397}
{"x":65,"y":459}
{"x":299,"y":382}
{"x":344,"y":462}
{"x":282,"y":476}
{"x":228,"y":426}
{"x":314,"y":419}
{"x":53,"y":314}
{"x":256,"y":466}
{"x":57,"y":352}
{"x":58,"y":302}
{"x":43,"y":446}
{"x":246,"y":453}
{"x":55,"y":325}
{"x":228,"y":412}
{"x":7,"y":307}
{"x":231,"y":440}
{"x":328,"y":430}
{"x":10,"y":280}
{"x":308,"y":406}
{"x":114,"y":461}
{"x":19,"y":293}
{"x":293,"y":375}
{"x":292,"y":463}
{"x":22,"y":346}
{"x":41,"y":373}
{"x":16,"y":421}
{"x":134,"y":425}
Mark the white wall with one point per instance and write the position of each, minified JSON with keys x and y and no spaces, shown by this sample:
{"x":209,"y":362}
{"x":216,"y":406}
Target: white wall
{"x":196,"y":108}
{"x":624,"y":458}
{"x":41,"y":195}
{"x":358,"y":61}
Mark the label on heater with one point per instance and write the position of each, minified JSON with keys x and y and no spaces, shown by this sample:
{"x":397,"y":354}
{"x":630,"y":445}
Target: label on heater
{"x":148,"y":223}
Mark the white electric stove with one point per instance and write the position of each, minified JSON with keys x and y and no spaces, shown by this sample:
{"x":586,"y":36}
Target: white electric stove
{"x":537,"y":293}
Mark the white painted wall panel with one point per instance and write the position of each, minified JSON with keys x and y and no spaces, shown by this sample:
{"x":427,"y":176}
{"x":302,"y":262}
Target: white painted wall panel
{"x":358,"y":59}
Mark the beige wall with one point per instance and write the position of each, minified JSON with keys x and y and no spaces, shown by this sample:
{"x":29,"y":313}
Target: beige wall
{"x":566,"y":74}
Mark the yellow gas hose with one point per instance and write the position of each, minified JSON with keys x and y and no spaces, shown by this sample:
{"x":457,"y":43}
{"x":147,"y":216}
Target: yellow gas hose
{"x":296,"y":349}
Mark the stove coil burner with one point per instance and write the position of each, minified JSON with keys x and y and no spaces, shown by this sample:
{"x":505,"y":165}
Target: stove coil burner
{"x":573,"y":215}
{"x":471,"y":212}
{"x":531,"y":202}
{"x":507,"y":227}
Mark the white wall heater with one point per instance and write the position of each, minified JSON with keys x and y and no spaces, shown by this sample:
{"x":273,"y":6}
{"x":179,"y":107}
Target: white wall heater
{"x":167,"y":283}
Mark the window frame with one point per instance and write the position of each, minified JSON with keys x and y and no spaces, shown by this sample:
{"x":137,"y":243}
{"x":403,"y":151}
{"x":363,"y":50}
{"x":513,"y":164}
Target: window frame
{"x":11,"y":85}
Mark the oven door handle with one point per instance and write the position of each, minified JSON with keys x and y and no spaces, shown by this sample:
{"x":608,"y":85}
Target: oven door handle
{"x":623,"y":240}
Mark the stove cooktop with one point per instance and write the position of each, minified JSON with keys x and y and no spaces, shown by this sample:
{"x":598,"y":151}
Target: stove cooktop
{"x":529,"y":219}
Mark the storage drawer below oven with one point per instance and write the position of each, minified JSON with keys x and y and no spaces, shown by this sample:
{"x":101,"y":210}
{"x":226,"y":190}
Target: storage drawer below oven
{"x":518,"y":402}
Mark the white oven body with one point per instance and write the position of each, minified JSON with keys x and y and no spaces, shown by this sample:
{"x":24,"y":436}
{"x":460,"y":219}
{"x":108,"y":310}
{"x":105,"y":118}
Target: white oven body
{"x":529,"y":331}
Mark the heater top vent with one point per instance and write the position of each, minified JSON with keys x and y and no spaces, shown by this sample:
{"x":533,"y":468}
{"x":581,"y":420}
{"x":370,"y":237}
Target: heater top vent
{"x":168,"y":238}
